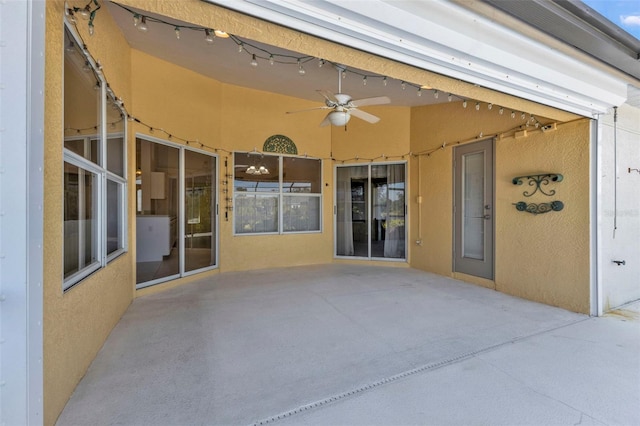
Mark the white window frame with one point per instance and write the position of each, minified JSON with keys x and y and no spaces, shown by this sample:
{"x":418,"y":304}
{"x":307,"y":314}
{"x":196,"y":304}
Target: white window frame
{"x":103,"y":176}
{"x":280,"y":195}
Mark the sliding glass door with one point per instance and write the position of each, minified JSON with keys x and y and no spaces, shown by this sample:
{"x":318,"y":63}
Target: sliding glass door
{"x":176,"y":211}
{"x":370,"y":211}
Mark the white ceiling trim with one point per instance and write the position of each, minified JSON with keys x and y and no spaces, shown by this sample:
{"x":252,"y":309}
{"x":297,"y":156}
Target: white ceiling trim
{"x":450,"y":40}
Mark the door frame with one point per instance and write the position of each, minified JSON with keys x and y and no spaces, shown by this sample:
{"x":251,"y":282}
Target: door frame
{"x":489,"y":241}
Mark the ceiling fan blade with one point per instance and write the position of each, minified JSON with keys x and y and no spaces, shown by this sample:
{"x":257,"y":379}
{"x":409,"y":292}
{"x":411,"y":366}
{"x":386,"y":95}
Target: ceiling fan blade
{"x":371,"y":101}
{"x":308,"y":109}
{"x":325,"y":122}
{"x":364,"y":115}
{"x":330,"y":97}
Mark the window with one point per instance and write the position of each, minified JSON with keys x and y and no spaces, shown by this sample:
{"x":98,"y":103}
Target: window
{"x":94,"y":169}
{"x":275,"y":194}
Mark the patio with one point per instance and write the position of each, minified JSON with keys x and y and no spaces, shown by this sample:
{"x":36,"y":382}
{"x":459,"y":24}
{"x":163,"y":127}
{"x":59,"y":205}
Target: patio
{"x":354,"y":344}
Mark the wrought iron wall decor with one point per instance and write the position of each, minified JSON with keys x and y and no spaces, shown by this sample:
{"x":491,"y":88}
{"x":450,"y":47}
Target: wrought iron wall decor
{"x":280,"y":144}
{"x":540,"y":208}
{"x":538,"y":181}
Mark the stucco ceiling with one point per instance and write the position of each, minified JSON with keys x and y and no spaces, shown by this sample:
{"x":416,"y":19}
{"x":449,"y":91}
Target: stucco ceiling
{"x":222,"y":61}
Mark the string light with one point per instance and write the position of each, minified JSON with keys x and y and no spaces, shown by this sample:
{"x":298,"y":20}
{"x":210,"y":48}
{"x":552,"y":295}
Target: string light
{"x":88,"y":13}
{"x":142,"y":26}
{"x":271,"y":60}
{"x":501,"y":111}
{"x":403,"y":85}
{"x":240,"y":48}
{"x":489,"y":106}
{"x":208,"y":37}
{"x":464,"y":103}
{"x":419,"y":93}
{"x":477,"y":106}
{"x":364,"y":80}
{"x":384,"y":81}
{"x":320,"y":63}
{"x":301,"y":70}
{"x":450,"y":97}
{"x":177,"y":30}
{"x":254,"y":62}
{"x":435,"y":94}
{"x":522,"y":116}
{"x":513,"y":114}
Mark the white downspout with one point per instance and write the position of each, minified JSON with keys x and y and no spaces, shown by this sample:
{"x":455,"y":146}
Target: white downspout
{"x":595,"y":217}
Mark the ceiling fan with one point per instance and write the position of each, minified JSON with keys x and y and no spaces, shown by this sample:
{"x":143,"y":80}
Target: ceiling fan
{"x":343,"y":107}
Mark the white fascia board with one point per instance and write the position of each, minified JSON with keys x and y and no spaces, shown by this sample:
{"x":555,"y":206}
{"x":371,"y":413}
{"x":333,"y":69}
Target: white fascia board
{"x":447,"y":39}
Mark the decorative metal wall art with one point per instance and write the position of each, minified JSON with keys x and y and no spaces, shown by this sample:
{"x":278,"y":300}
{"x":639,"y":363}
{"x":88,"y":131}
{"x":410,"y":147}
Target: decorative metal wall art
{"x":539,"y":182}
{"x":280,"y":144}
{"x":534,"y":208}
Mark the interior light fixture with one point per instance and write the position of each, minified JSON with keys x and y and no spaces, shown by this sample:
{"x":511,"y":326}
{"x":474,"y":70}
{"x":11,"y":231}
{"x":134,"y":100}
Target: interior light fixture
{"x":208,"y":37}
{"x":253,"y":170}
{"x":339,"y":118}
{"x":142,"y":25}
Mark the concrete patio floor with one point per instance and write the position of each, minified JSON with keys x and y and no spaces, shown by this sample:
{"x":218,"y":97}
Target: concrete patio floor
{"x":352,"y":344}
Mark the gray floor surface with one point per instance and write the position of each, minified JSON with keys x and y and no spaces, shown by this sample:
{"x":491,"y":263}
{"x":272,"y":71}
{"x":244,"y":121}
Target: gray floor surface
{"x":358,"y":345}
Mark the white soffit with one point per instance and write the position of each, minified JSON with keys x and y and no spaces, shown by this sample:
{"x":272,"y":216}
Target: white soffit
{"x":450,"y":40}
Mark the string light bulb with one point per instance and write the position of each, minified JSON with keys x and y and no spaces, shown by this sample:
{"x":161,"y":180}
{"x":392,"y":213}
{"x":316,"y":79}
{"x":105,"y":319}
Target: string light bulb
{"x":254,"y":62}
{"x":301,"y":70}
{"x":92,"y":29}
{"x":320,"y":63}
{"x":271,"y":60}
{"x":177,"y":30}
{"x":501,"y":111}
{"x":419,"y":93}
{"x":450,"y":97}
{"x":464,"y":103}
{"x":208,"y":37}
{"x":344,"y":74}
{"x":436,"y":94}
{"x":85,"y":13}
{"x":477,"y":106}
{"x":142,"y":25}
{"x":522,"y":116}
{"x":489,"y":106}
{"x":513,"y":114}
{"x":240,"y":48}
{"x":364,"y":80}
{"x":136,"y":19}
{"x":403,"y":85}
{"x":384,"y":81}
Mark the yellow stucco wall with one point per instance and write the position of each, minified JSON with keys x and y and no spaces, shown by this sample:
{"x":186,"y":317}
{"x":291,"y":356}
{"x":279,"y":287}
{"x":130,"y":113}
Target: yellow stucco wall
{"x":232,"y":118}
{"x":544,"y":257}
{"x":76,"y":322}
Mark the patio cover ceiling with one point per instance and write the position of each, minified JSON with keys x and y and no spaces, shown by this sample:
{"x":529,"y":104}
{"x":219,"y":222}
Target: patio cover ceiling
{"x":451,"y":40}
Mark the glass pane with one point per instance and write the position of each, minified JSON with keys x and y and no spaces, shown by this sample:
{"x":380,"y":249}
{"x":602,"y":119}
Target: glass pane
{"x":157,"y":250}
{"x":352,"y":211}
{"x":473,"y":206}
{"x":388,"y":211}
{"x":200,"y":204}
{"x":82,"y":101}
{"x":301,"y":175}
{"x":80,"y":227}
{"x":256,"y":173}
{"x":115,"y":197}
{"x":301,"y":213}
{"x":255,"y":213}
{"x":115,"y":138}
